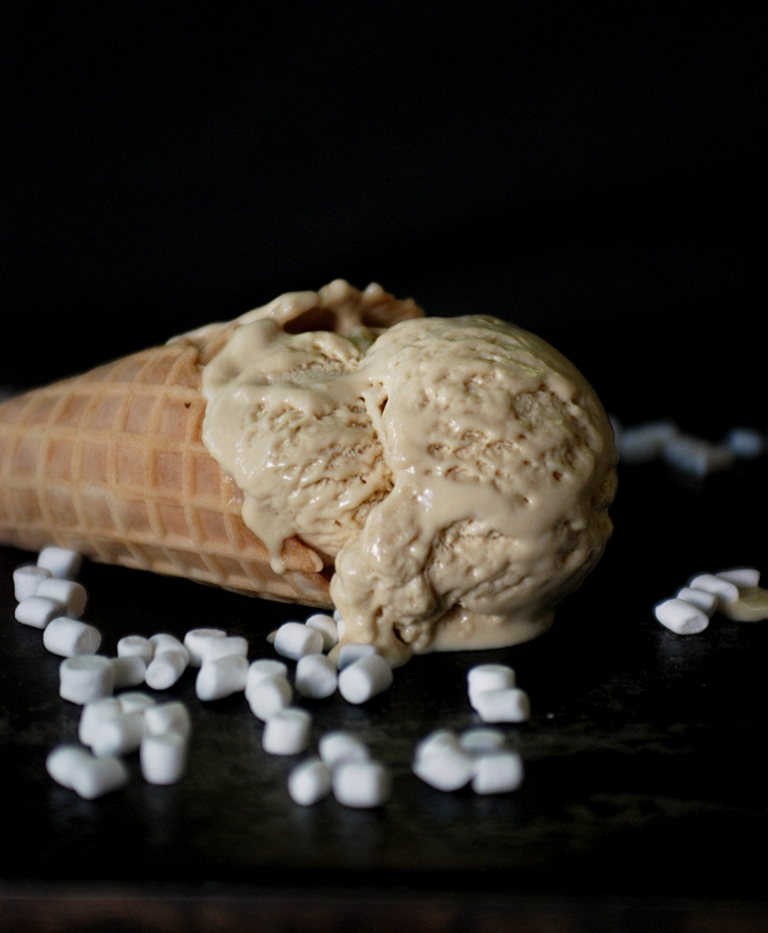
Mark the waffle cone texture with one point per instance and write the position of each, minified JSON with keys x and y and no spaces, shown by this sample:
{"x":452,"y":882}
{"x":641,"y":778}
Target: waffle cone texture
{"x":112,"y":464}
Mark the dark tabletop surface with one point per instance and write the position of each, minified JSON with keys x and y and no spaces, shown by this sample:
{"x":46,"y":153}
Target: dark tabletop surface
{"x":643,"y":755}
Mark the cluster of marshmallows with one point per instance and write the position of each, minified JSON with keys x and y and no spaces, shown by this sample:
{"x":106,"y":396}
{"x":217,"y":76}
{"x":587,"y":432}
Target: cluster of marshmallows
{"x":690,"y":610}
{"x":695,"y":456}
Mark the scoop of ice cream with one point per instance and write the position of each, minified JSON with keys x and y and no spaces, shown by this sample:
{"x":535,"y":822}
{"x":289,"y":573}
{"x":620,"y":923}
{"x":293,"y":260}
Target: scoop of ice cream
{"x":459,"y":471}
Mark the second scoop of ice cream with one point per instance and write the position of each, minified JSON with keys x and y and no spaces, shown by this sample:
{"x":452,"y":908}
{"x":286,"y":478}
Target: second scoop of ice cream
{"x":459,"y":471}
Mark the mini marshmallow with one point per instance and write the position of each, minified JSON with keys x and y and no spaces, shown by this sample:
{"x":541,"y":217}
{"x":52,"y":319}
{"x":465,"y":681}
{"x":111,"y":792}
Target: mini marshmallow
{"x":262,"y":669}
{"x":163,"y":758}
{"x":70,"y":637}
{"x":696,"y":456}
{"x":348,"y":654}
{"x":94,"y":777}
{"x":165,"y":669}
{"x":136,"y":702}
{"x":294,"y":640}
{"x":309,"y":782}
{"x":164,"y":642}
{"x":326,"y":625}
{"x":478,"y":742}
{"x":287,"y":732}
{"x":62,"y":562}
{"x":316,"y":677}
{"x":361,"y":784}
{"x":168,"y":717}
{"x":69,"y":593}
{"x":743,"y":577}
{"x":337,"y":616}
{"x":232,"y":646}
{"x":511,"y":705}
{"x":703,"y":600}
{"x":269,"y":696}
{"x":38,"y":611}
{"x":222,"y":677}
{"x":642,"y":443}
{"x":196,"y":639}
{"x":365,"y":679}
{"x":85,"y":679}
{"x":447,"y":769}
{"x":338,"y":747}
{"x":94,"y":714}
{"x":498,"y":774}
{"x":437,"y":741}
{"x":26,"y":580}
{"x":484,"y":677}
{"x":129,"y":672}
{"x":745,"y":443}
{"x":118,"y":736}
{"x":725,"y":591}
{"x":63,"y":761}
{"x":681,"y":617}
{"x":136,"y":646}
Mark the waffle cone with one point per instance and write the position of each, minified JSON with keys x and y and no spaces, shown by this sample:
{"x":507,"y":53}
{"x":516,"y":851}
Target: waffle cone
{"x":112,"y":464}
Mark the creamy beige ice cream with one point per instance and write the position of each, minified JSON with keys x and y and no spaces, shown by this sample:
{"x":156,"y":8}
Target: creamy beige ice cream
{"x":458,"y":470}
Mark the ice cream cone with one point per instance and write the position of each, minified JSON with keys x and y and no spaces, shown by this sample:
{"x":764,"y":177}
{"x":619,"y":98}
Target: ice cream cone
{"x":112,"y":464}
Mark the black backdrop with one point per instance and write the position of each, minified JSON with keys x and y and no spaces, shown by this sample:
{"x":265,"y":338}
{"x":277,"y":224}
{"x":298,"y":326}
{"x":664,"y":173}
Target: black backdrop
{"x":591,"y":171}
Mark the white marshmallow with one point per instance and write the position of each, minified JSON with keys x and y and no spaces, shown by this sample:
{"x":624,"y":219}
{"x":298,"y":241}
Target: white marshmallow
{"x":703,"y":600}
{"x":365,"y":679}
{"x":262,"y":669}
{"x":484,"y":677}
{"x":164,"y":670}
{"x":294,"y":640}
{"x":681,"y":617}
{"x":337,"y":616}
{"x":119,"y":736}
{"x":437,"y":741}
{"x":221,"y":677}
{"x":725,"y":591}
{"x":743,"y":577}
{"x":361,"y":784}
{"x":287,"y":732}
{"x":326,"y":625}
{"x":447,"y":768}
{"x":62,"y":562}
{"x":511,"y":705}
{"x":164,"y":642}
{"x":479,"y":742}
{"x":316,"y":677}
{"x":26,"y":580}
{"x":70,"y":637}
{"x":86,"y":678}
{"x":196,"y":639}
{"x":136,"y":646}
{"x":232,"y":646}
{"x":348,"y":654}
{"x":745,"y":443}
{"x":69,"y":593}
{"x":63,"y":761}
{"x":498,"y":774}
{"x":94,"y":777}
{"x":136,"y":702}
{"x":163,"y":758}
{"x":338,"y":747}
{"x":269,"y":696}
{"x":37,"y":611}
{"x":94,"y":714}
{"x":129,"y":672}
{"x":642,"y":443}
{"x":168,"y":717}
{"x":309,"y":782}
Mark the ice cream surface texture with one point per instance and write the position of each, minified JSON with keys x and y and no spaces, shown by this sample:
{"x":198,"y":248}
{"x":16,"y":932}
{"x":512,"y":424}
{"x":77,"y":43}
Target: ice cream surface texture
{"x":458,"y":471}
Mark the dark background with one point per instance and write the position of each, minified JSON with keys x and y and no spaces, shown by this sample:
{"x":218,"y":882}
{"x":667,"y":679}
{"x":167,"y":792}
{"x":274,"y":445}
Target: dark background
{"x":591,"y":171}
